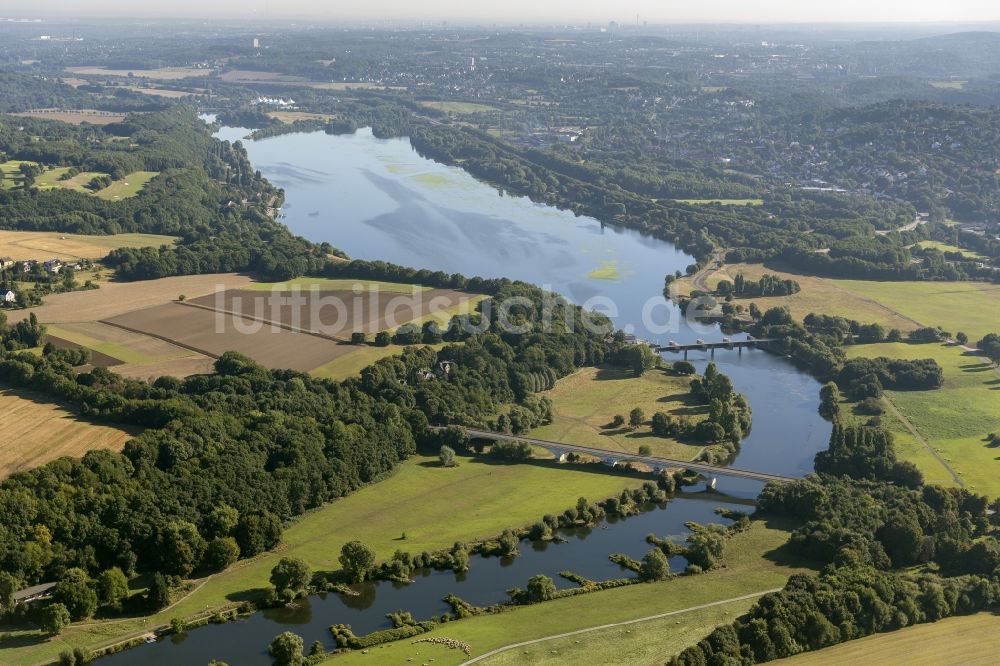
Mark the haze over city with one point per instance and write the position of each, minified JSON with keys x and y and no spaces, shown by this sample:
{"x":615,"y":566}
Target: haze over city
{"x":566,"y":11}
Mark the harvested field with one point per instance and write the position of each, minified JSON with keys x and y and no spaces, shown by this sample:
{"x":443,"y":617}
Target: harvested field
{"x":161,"y":92}
{"x":163,"y":73}
{"x":97,"y":359}
{"x":251,"y":76}
{"x":212,"y":333}
{"x":122,"y":346}
{"x":77,"y":117}
{"x":336,"y":313}
{"x":196,"y":364}
{"x":48,"y":245}
{"x":36,"y":432}
{"x":116,"y":298}
{"x":289,"y":117}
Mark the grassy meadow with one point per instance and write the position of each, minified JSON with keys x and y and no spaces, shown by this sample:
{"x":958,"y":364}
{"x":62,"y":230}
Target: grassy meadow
{"x":585,"y":402}
{"x":972,"y":307}
{"x":752,"y":563}
{"x":954,"y":419}
{"x":487,"y":497}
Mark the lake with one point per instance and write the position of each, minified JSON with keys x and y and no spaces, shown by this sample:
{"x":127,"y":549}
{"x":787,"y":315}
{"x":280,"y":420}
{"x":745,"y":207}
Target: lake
{"x":378,"y":199}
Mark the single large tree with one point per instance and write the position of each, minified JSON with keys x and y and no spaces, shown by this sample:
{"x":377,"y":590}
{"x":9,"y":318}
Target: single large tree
{"x":357,"y":560}
{"x":286,"y":649}
{"x":290,"y":573}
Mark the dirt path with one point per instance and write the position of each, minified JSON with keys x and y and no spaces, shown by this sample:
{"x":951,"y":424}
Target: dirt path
{"x":513,"y":646}
{"x":920,"y":438}
{"x":699,"y":280}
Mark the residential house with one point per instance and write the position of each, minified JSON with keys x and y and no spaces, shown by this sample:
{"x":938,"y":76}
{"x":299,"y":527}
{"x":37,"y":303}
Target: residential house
{"x":6,"y":263}
{"x":53,"y":265}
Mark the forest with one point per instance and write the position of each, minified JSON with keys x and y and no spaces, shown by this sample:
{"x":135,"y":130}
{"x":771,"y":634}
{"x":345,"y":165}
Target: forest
{"x":225,"y":459}
{"x":896,"y":553}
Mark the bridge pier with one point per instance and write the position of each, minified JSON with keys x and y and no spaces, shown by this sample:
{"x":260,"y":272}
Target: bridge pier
{"x":685,"y":354}
{"x":711,"y":353}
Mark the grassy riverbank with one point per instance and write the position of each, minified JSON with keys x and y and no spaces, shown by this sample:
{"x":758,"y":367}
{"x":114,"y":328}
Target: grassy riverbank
{"x":754,"y":562}
{"x":433,"y":506}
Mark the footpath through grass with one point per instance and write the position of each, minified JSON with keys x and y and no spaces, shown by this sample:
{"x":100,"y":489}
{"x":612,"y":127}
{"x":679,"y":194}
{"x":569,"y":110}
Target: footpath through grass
{"x":584,"y":404}
{"x":954,"y":419}
{"x":754,"y":562}
{"x":433,"y":506}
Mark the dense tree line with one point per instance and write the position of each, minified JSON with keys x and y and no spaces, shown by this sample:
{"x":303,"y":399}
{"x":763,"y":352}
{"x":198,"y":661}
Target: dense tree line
{"x":869,"y":520}
{"x":227,"y":458}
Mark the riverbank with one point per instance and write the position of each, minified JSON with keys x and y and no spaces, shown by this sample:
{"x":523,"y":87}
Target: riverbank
{"x":754,"y":562}
{"x":431,"y":505}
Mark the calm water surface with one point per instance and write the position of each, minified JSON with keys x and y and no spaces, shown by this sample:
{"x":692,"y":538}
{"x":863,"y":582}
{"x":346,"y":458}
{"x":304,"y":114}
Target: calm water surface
{"x":378,"y":199}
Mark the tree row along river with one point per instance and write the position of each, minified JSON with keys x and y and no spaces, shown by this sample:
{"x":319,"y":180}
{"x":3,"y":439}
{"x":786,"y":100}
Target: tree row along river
{"x":378,"y":199}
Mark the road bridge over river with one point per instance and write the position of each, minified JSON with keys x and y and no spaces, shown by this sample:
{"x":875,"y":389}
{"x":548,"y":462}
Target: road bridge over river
{"x":702,"y":345}
{"x":612,"y":458}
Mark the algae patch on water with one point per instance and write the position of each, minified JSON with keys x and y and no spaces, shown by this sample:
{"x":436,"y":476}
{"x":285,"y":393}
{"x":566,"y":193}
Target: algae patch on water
{"x":608,"y":270}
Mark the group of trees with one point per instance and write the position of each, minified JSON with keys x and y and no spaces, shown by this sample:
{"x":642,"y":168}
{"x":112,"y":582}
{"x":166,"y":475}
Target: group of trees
{"x":870,"y":517}
{"x":767,"y":285}
{"x":226,"y":458}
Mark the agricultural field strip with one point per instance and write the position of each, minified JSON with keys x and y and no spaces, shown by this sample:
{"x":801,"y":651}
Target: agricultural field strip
{"x":512,"y":646}
{"x":159,"y":337}
{"x":199,"y":330}
{"x":269,"y":322}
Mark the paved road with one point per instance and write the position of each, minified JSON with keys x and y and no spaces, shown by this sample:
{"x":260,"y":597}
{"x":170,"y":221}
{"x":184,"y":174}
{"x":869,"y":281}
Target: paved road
{"x":512,"y":646}
{"x":623,"y":456}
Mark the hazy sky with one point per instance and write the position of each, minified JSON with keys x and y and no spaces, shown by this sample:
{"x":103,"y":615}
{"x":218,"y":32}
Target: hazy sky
{"x":563,"y":11}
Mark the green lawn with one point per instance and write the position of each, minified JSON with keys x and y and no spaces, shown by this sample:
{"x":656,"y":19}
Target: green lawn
{"x":954,"y":419}
{"x":748,"y":568}
{"x":434,"y":506}
{"x":584,"y":404}
{"x":127,"y":187}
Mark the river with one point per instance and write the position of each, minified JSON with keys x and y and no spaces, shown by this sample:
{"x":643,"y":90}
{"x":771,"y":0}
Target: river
{"x":378,"y":199}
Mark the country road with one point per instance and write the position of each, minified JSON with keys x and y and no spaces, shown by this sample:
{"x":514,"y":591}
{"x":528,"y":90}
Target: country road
{"x":512,"y":646}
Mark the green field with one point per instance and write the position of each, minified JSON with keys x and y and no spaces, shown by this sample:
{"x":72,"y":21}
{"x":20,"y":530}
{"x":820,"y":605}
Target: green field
{"x":585,"y":402}
{"x":972,"y":307}
{"x":352,"y":364}
{"x":434,"y":506}
{"x":945,"y":247}
{"x":50,"y":180}
{"x":751,"y":564}
{"x":128,"y":186}
{"x":972,"y":640}
{"x":722,"y":202}
{"x":114,"y":350}
{"x":954,"y":419}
